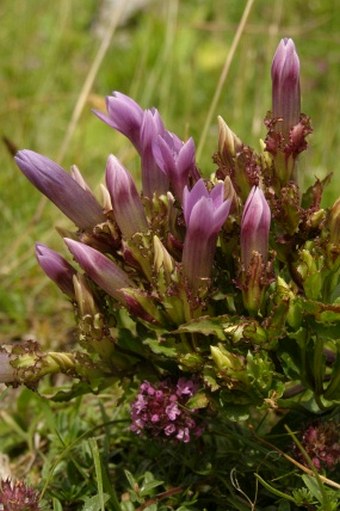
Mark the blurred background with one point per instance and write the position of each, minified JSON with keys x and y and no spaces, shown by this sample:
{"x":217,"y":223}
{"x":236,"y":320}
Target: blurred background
{"x":59,"y":60}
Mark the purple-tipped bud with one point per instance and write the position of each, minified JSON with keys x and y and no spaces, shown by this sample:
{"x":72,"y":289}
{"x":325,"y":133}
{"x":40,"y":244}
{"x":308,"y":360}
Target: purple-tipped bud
{"x":286,"y":86}
{"x":127,"y":206}
{"x":124,"y":115}
{"x":104,"y":272}
{"x":64,"y":191}
{"x":204,"y":213}
{"x":154,"y":180}
{"x":255,"y":225}
{"x":56,"y":268}
{"x":176,"y":159}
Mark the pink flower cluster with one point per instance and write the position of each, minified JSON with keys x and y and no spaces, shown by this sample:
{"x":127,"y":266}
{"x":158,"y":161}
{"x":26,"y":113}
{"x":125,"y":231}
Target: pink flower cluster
{"x":161,"y":410}
{"x":321,"y":442}
{"x":16,"y":496}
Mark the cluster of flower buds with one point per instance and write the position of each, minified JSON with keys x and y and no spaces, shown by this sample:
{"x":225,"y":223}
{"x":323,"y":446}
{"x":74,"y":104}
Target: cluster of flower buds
{"x":321,"y":443}
{"x":227,"y":278}
{"x":17,"y":496}
{"x":163,"y":411}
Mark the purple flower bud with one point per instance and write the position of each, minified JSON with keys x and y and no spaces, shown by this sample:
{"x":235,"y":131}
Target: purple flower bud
{"x":56,"y":268}
{"x":64,"y":191}
{"x":124,"y":115}
{"x":104,"y":272}
{"x":154,"y":180}
{"x":255,"y":225}
{"x":127,"y":206}
{"x":204,"y":213}
{"x":176,"y":159}
{"x":286,"y":86}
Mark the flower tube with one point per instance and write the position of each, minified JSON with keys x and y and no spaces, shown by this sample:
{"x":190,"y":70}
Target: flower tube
{"x":123,"y":115}
{"x":104,"y":272}
{"x":127,"y":205}
{"x":56,"y":268}
{"x":255,"y":225}
{"x":176,"y":159}
{"x":286,"y":102}
{"x":62,"y":189}
{"x":204,"y":213}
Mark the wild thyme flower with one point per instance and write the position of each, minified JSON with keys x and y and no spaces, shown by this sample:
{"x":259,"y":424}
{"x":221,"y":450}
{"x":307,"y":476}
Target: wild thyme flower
{"x":56,"y":268}
{"x":16,"y":496}
{"x":321,"y":441}
{"x":127,"y":205}
{"x":61,"y":188}
{"x":204,"y":213}
{"x":160,"y":410}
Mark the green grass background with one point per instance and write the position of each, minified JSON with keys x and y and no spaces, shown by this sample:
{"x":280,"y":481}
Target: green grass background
{"x":169,"y":55}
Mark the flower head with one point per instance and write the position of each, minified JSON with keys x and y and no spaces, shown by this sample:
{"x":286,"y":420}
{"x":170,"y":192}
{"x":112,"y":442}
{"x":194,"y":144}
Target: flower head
{"x":124,"y":115}
{"x":160,"y":410}
{"x":61,"y":188}
{"x":16,"y":496}
{"x":204,"y":214}
{"x":176,"y":159}
{"x":286,"y":86}
{"x":321,"y":441}
{"x":255,"y":225}
{"x":56,"y":268}
{"x":141,"y":127}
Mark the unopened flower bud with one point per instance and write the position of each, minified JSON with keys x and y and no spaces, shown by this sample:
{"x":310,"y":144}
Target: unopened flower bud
{"x":104,"y":272}
{"x":84,"y":297}
{"x":228,"y":142}
{"x":61,"y":188}
{"x":286,"y":86}
{"x":56,"y":268}
{"x":162,"y":258}
{"x":334,"y":223}
{"x":127,"y":206}
{"x":230,"y":365}
{"x":255,"y":225}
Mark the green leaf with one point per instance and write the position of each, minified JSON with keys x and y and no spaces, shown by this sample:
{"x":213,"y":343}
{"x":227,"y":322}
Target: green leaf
{"x":95,"y":503}
{"x":199,"y":400}
{"x":161,"y":349}
{"x":313,"y":486}
{"x":206,"y":326}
